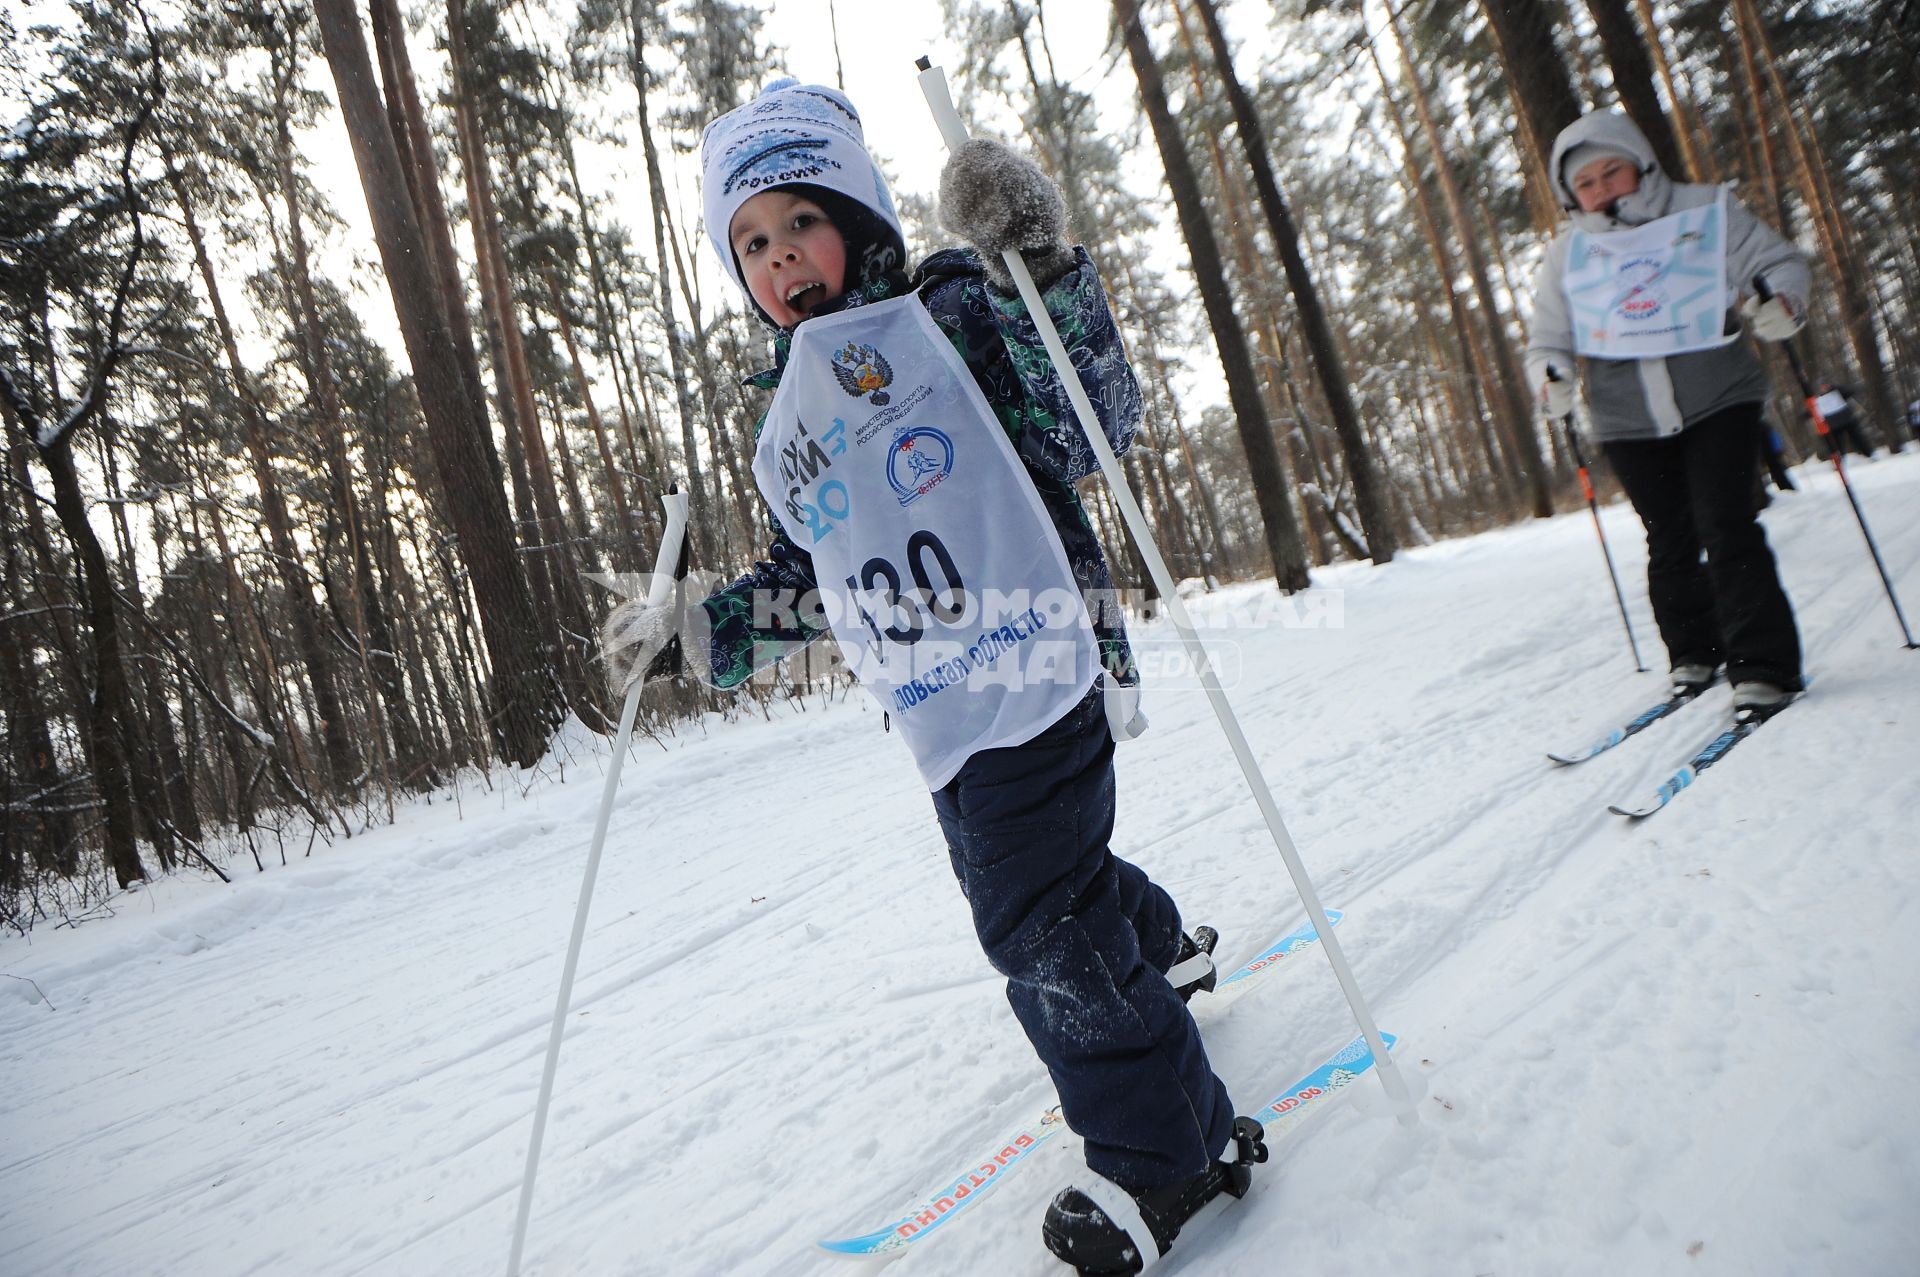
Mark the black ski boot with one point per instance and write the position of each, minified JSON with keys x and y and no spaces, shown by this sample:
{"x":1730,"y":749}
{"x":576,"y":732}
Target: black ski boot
{"x":1193,"y":970}
{"x":1081,"y":1231}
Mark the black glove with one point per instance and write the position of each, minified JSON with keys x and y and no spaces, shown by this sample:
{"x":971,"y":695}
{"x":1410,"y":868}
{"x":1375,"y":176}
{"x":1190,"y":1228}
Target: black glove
{"x":997,"y":199}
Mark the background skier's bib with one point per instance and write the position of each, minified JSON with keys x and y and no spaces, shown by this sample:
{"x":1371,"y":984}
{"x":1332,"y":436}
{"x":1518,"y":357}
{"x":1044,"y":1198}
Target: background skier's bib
{"x":939,"y":569}
{"x":1653,"y":291}
{"x":1830,"y":403}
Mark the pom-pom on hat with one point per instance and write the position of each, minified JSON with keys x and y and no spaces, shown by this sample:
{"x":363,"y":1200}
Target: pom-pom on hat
{"x":797,"y":134}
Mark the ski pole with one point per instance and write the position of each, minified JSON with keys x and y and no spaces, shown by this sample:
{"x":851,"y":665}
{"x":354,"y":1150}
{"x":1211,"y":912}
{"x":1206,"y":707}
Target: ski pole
{"x":933,"y":84}
{"x":669,"y":566}
{"x":1586,"y":486}
{"x":1839,"y":466}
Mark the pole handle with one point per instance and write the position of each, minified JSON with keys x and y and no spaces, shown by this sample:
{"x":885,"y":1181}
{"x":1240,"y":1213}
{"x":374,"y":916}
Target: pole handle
{"x":933,"y":85}
{"x":670,"y":563}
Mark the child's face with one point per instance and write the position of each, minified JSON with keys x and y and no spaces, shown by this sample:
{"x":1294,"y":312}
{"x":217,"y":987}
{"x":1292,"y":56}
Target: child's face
{"x":791,"y":255}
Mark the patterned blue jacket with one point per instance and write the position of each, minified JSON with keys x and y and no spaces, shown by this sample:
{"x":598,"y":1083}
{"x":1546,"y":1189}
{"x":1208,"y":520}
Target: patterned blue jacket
{"x":1001,"y":346}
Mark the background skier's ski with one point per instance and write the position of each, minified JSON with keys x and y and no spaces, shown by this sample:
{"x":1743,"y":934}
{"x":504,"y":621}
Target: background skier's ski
{"x":1633,"y":727}
{"x":1709,"y":754}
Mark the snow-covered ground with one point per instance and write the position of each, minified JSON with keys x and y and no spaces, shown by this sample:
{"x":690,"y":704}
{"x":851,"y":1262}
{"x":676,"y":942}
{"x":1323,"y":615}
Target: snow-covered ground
{"x":1684,"y":1046}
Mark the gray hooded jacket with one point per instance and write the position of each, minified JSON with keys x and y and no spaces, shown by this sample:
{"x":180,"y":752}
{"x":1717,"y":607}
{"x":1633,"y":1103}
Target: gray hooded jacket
{"x":1654,"y":398}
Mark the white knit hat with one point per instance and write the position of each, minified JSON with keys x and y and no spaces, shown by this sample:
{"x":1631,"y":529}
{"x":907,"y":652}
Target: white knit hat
{"x":792,"y":134}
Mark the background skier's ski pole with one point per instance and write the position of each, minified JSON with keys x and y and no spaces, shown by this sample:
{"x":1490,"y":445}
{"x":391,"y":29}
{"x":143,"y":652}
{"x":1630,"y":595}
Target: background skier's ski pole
{"x":1839,"y":466}
{"x":933,"y":83}
{"x":1586,"y":486}
{"x":668,"y":567}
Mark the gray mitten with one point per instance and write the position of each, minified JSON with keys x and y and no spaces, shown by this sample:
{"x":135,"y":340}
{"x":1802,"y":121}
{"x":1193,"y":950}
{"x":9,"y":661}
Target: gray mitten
{"x":639,"y":641}
{"x":997,"y":199}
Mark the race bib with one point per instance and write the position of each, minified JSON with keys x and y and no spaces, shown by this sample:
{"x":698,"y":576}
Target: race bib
{"x":1830,"y":403}
{"x":939,"y":570}
{"x":1652,"y":291}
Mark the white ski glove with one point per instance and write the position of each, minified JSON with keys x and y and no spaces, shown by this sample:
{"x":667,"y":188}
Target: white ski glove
{"x":1558,"y":397}
{"x":1774,"y":319}
{"x":997,"y":199}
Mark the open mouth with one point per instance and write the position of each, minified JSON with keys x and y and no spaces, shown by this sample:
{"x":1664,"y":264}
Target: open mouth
{"x":802,"y":298}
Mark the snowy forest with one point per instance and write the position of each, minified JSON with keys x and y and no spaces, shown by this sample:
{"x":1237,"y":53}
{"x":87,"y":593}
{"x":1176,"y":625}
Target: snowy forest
{"x":331,"y":359}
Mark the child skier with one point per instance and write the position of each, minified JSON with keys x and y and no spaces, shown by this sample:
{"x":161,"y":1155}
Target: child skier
{"x":919,"y":460}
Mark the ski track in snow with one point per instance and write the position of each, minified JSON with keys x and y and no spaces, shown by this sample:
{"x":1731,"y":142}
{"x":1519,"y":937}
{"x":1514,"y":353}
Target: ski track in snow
{"x":1682,"y":1046}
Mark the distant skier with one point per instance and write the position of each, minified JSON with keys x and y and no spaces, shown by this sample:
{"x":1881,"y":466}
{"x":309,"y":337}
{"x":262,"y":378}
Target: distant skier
{"x":919,"y":461}
{"x":1841,"y":412}
{"x":1674,"y":395}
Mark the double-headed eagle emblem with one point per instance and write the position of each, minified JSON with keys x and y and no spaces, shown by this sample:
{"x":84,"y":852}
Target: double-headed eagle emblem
{"x":863,"y":370}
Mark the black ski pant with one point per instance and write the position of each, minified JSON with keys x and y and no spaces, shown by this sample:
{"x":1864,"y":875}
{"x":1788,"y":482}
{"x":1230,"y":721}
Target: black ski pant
{"x":1843,"y":431}
{"x":1694,"y":493}
{"x":1084,"y":938}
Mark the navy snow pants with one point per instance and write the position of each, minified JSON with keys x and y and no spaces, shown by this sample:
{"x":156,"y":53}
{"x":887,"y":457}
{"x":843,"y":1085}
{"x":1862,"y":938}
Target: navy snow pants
{"x":1083,"y":938}
{"x":1694,"y":493}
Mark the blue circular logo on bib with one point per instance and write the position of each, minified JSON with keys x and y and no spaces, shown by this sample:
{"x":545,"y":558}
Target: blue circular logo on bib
{"x":918,"y":460}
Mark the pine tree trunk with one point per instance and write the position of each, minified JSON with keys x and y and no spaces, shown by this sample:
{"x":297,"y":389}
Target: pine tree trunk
{"x":1855,"y":310}
{"x":707,"y":407}
{"x":1490,"y":416}
{"x":1535,"y":72}
{"x":372,"y":635}
{"x":38,"y":834}
{"x":1212,"y":559}
{"x":626,"y":555}
{"x":372,"y":632}
{"x":567,"y":623}
{"x":698,"y":539}
{"x":1686,"y":126}
{"x":218,"y":642}
{"x":342,"y":758}
{"x":1243,"y":387}
{"x":576,"y":518}
{"x":264,"y":688}
{"x":110,"y":709}
{"x":605,"y":324}
{"x":1295,"y":432}
{"x":1510,"y":383}
{"x":150,"y":799}
{"x":1753,"y":99}
{"x":1375,"y":520}
{"x":1633,"y":82}
{"x":169,"y":804}
{"x":524,"y":691}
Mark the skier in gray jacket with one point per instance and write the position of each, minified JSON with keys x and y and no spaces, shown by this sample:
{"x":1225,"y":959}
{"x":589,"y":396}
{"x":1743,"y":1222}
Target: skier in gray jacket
{"x":1637,"y":294}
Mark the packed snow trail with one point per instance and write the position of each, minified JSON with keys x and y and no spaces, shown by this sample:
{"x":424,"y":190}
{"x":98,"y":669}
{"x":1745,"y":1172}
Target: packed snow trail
{"x":1680,"y":1047}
